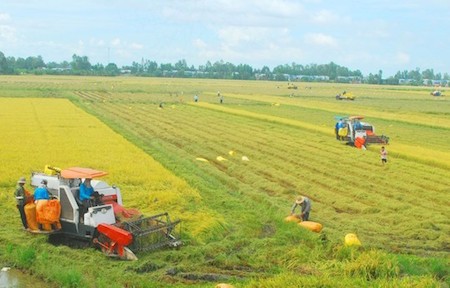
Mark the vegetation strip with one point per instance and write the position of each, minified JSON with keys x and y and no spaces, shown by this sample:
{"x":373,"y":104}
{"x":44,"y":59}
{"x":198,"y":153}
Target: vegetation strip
{"x":427,"y":156}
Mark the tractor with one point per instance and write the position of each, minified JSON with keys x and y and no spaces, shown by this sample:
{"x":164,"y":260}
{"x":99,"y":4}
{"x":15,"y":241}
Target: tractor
{"x":357,"y":133}
{"x":345,"y":96}
{"x":119,"y":232}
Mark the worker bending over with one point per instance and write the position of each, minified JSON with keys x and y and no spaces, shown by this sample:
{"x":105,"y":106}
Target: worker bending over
{"x":305,"y":205}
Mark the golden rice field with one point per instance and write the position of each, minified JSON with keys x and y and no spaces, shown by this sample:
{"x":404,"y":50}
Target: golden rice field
{"x":232,"y":210}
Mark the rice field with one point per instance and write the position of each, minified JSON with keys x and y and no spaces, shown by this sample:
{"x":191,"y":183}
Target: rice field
{"x":233,"y":210}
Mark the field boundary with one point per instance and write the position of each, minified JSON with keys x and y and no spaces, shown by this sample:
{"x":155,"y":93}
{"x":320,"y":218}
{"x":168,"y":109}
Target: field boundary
{"x":421,"y":120}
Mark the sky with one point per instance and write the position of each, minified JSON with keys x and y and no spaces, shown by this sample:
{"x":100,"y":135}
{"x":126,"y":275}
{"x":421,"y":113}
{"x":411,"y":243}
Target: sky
{"x":365,"y":35}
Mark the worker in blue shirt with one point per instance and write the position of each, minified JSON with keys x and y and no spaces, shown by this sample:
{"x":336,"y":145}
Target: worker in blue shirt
{"x":41,"y":193}
{"x":86,"y":191}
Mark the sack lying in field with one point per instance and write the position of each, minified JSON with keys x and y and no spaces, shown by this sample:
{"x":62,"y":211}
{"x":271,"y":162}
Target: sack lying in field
{"x":292,"y":218}
{"x":352,"y":240}
{"x":224,"y":285}
{"x":312,"y":226}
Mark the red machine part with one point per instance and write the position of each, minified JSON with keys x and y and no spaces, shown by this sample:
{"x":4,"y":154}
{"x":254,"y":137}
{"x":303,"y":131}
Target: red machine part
{"x":118,"y":240}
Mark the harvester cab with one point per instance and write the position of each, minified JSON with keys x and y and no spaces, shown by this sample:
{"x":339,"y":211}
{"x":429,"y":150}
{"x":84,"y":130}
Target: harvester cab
{"x":356,"y":132}
{"x":116,"y":230}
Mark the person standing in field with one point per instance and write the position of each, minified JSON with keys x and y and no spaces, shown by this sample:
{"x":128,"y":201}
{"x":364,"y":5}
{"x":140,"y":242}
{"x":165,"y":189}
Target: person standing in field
{"x":383,"y":154}
{"x":196,"y":98}
{"x":21,"y":199}
{"x":305,"y":204}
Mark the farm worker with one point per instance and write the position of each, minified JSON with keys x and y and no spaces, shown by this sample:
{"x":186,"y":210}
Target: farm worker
{"x":383,"y":154}
{"x":86,"y":191}
{"x":305,"y":205}
{"x":41,"y":197}
{"x":20,"y":196}
{"x":41,"y":193}
{"x":196,"y":98}
{"x":339,"y":125}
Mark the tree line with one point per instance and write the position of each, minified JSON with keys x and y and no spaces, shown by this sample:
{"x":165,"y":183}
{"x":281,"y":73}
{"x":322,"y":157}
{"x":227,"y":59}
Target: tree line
{"x":331,"y":72}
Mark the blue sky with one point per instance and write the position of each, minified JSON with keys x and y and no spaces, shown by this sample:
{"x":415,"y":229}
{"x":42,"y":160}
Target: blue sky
{"x":391,"y":36}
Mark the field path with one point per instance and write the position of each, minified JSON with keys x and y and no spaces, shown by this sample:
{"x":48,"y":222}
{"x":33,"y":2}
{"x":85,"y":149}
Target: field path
{"x":414,"y":118}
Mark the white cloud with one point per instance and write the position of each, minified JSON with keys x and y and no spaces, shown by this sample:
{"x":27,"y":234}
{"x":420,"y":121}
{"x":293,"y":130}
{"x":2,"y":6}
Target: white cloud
{"x":136,"y":46}
{"x":320,"y":39}
{"x":403,"y":58}
{"x":115,"y":42}
{"x":235,"y":35}
{"x":199,"y":44}
{"x":325,"y":16}
{"x":4,"y":17}
{"x":265,"y":13}
{"x":97,"y":42}
{"x":8,"y":33}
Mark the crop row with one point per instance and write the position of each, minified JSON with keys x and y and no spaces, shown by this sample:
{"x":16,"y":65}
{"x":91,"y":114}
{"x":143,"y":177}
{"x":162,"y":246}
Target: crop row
{"x":278,"y":156}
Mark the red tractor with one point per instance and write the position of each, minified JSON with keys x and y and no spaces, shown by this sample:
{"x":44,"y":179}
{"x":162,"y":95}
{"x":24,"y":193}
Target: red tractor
{"x":117,"y":231}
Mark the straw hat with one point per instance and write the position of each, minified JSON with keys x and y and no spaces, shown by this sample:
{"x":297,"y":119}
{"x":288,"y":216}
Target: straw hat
{"x":299,"y":199}
{"x":22,"y":180}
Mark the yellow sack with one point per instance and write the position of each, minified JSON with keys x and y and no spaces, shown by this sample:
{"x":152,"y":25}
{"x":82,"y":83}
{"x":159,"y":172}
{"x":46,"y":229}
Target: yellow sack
{"x":292,"y":218}
{"x":52,"y":211}
{"x":352,"y":240}
{"x":224,"y":285}
{"x":40,"y":211}
{"x":312,"y":226}
{"x":30,"y":213}
{"x":343,"y":132}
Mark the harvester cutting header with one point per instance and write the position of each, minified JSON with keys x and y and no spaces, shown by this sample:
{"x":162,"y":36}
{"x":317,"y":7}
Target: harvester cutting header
{"x":357,"y":133}
{"x":100,"y":220}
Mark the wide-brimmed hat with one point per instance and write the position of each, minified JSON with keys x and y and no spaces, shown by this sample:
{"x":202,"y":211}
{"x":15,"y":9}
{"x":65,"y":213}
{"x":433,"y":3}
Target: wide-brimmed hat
{"x":22,"y":180}
{"x":299,"y":199}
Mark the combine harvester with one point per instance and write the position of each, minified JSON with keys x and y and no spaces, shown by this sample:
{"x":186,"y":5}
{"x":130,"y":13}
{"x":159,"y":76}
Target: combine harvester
{"x":345,"y":96}
{"x":117,"y":231}
{"x":357,"y":133}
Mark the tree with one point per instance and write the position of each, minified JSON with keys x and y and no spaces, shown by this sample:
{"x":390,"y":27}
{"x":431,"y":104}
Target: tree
{"x":112,"y":70}
{"x":80,"y":63}
{"x":3,"y":64}
{"x":428,"y":74}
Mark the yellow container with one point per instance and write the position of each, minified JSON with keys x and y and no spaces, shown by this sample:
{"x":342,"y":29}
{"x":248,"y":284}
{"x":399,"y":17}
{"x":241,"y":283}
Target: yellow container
{"x":50,"y":170}
{"x":30,"y":213}
{"x":292,"y":218}
{"x":352,"y":240}
{"x":312,"y":226}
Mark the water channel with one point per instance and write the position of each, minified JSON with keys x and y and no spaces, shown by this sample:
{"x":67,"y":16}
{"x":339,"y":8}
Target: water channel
{"x":13,"y":278}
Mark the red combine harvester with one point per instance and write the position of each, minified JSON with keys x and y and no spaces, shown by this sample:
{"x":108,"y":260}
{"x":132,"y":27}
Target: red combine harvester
{"x":117,"y":231}
{"x":357,"y":133}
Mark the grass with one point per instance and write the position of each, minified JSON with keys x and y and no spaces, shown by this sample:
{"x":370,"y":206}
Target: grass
{"x":233,"y":210}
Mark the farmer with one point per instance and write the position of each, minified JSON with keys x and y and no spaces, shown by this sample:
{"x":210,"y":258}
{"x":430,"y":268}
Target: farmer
{"x":305,"y":205}
{"x":86,"y":191}
{"x":20,"y":196}
{"x":383,"y":154}
{"x":41,"y":193}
